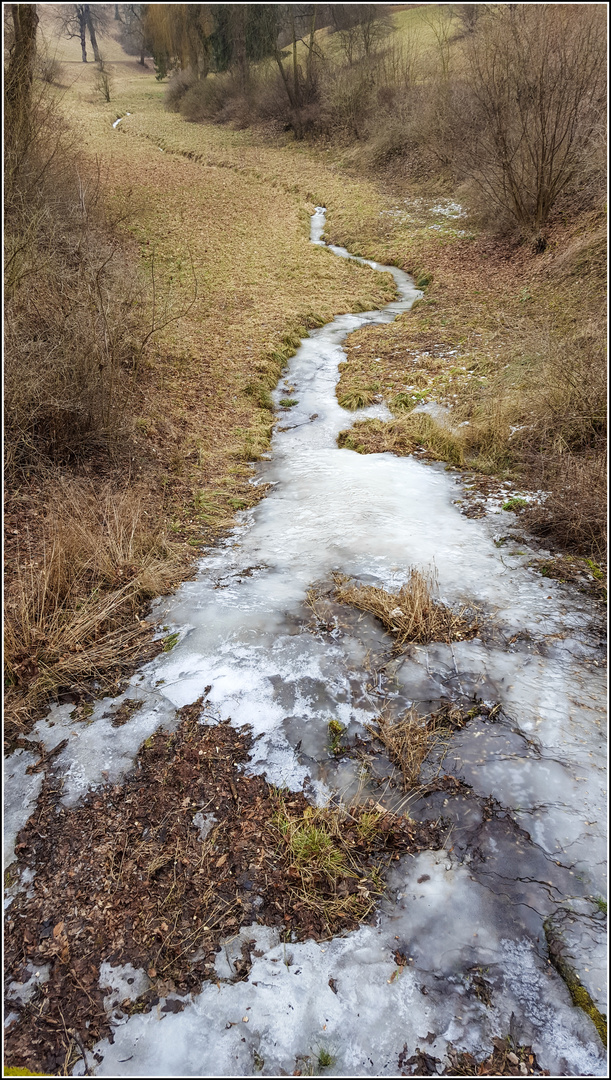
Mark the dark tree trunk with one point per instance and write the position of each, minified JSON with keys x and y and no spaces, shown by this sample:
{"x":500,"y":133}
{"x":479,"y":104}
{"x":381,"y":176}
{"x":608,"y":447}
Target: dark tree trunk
{"x":82,"y":25}
{"x":20,"y":70}
{"x":238,"y":27}
{"x":91,"y":28}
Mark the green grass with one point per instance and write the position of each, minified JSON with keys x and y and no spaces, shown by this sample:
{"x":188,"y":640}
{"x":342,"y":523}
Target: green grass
{"x":336,"y":731}
{"x":325,"y":1059}
{"x":515,"y":504}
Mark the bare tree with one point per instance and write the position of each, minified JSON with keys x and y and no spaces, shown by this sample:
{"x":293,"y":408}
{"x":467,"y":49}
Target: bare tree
{"x":89,"y":20}
{"x":359,"y":27}
{"x":469,"y":15}
{"x":299,"y":25}
{"x":76,"y":20}
{"x":132,"y":32}
{"x":537,"y":77}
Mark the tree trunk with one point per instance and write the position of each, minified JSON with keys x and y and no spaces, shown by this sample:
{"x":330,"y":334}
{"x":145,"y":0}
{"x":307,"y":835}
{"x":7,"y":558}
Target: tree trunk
{"x":295,"y":66}
{"x":310,"y":66}
{"x":285,"y":79}
{"x":20,"y":70}
{"x":91,"y":28}
{"x":238,"y":27}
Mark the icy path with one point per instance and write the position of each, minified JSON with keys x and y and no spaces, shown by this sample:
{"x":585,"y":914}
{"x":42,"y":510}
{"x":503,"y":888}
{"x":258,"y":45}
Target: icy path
{"x":479,"y":905}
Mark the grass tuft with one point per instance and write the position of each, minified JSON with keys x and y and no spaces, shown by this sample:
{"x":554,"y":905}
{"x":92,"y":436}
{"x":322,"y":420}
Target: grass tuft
{"x":404,"y":435}
{"x":358,"y":398}
{"x":336,"y":732}
{"x":413,"y":614}
{"x":335,"y":857}
{"x":409,"y":739}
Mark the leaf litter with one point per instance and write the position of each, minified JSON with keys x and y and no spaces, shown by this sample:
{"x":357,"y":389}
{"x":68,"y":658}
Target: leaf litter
{"x":126,"y":878}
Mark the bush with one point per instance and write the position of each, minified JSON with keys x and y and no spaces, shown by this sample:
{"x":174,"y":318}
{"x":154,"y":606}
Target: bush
{"x":72,"y":306}
{"x":180,"y":83}
{"x":204,"y":99}
{"x":50,"y":70}
{"x":536,"y":75}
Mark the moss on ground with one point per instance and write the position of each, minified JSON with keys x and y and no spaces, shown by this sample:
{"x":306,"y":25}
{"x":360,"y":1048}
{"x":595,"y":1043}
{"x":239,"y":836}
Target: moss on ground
{"x":579,"y":995}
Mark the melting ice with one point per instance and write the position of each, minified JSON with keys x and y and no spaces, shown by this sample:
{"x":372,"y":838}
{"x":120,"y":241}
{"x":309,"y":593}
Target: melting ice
{"x":480,"y":903}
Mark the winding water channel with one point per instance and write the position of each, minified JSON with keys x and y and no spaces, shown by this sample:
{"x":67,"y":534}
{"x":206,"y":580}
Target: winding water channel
{"x":527,"y":848}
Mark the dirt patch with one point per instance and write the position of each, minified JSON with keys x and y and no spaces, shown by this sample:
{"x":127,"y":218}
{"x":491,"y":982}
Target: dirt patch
{"x":158,"y":871}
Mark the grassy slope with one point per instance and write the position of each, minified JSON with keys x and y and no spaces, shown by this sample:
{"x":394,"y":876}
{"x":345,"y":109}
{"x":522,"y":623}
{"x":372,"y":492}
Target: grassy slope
{"x":513,"y":342}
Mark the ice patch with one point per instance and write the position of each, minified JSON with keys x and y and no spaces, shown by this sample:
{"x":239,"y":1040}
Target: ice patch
{"x":21,"y":792}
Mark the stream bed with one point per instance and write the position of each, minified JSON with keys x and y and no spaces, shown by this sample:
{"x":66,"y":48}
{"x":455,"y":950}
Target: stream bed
{"x":524,"y":860}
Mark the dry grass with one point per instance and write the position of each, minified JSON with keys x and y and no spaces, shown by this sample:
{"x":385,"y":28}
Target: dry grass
{"x":329,"y":875}
{"x":75,"y":600}
{"x":574,"y":515}
{"x":184,"y":430}
{"x":409,"y":740}
{"x":336,"y":857}
{"x":405,"y":435}
{"x":413,"y":614}
{"x":518,"y":356}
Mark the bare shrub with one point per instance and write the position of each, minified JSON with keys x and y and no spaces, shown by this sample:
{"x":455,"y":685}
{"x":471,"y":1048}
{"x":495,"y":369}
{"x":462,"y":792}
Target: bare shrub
{"x":73,"y":303}
{"x":103,"y":80}
{"x":349,"y":100}
{"x":571,"y":394}
{"x":574,"y":513}
{"x":70,"y":348}
{"x":50,"y":70}
{"x":536,"y":73}
{"x":206,"y":98}
{"x":179,"y":84}
{"x":413,"y":614}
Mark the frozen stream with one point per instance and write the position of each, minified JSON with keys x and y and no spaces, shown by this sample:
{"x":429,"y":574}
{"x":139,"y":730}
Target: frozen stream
{"x":479,"y":905}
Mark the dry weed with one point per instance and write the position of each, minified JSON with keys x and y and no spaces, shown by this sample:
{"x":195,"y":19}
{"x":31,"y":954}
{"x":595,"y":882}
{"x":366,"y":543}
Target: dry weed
{"x":407,"y":741}
{"x":413,"y":614}
{"x":73,"y":606}
{"x":574,"y":514}
{"x":410,"y":739}
{"x":405,"y":435}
